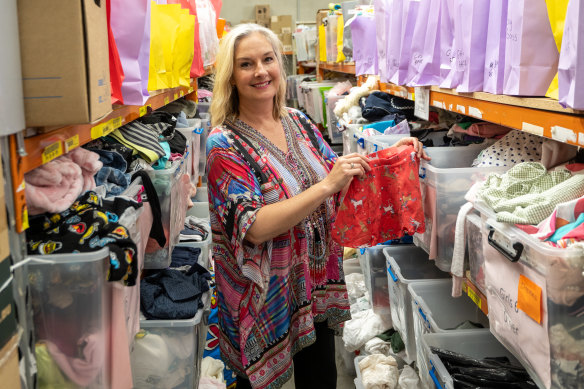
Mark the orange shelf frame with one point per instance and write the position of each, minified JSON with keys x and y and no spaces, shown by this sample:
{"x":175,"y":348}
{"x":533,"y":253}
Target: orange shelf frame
{"x":342,"y":67}
{"x":45,"y":147}
{"x":473,"y":292}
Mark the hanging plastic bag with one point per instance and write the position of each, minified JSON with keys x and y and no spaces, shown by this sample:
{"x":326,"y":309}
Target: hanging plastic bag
{"x":130,"y":24}
{"x":494,"y":72}
{"x":471,"y":19}
{"x":557,"y":16}
{"x":207,"y":31}
{"x":365,"y":53}
{"x":382,"y":12}
{"x":571,"y":66}
{"x":331,"y":37}
{"x":402,"y":23}
{"x":531,"y":55}
{"x":115,"y":64}
{"x":383,"y":204}
{"x":424,"y":67}
{"x":348,"y":10}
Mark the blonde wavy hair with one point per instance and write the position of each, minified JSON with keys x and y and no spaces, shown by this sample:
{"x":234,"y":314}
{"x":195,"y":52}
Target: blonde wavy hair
{"x":225,"y":102}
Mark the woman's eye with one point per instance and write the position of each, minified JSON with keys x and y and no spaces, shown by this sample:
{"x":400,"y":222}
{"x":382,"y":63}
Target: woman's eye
{"x":269,"y":59}
{"x":244,"y":64}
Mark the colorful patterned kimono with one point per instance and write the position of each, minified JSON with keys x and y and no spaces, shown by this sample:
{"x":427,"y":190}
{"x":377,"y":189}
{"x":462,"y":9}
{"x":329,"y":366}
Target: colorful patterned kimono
{"x":270,"y":295}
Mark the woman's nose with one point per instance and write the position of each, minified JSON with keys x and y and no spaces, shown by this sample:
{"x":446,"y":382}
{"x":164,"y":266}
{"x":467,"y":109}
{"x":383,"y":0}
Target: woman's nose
{"x":260,"y":69}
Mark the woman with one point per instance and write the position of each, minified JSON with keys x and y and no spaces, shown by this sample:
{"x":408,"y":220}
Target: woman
{"x":273,"y":187}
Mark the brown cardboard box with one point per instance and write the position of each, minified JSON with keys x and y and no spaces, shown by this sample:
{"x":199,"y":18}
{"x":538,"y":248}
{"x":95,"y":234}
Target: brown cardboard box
{"x":286,"y":39}
{"x":262,"y":12}
{"x":65,"y":62}
{"x":281,"y":24}
{"x":9,"y":371}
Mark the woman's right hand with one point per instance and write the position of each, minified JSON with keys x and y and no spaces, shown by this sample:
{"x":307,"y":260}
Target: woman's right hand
{"x":345,"y":168}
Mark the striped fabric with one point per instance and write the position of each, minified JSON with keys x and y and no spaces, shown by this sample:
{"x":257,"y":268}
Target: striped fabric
{"x":270,"y":295}
{"x":141,"y":137}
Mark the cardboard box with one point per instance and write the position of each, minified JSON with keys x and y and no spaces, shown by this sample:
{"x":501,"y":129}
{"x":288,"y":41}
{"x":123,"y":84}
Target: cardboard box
{"x":281,"y":24}
{"x":286,"y":39}
{"x":262,"y":13}
{"x":9,"y":370}
{"x":65,"y":61}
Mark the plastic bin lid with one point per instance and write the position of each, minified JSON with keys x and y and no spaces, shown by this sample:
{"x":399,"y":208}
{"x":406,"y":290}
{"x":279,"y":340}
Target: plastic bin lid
{"x":411,"y":263}
{"x":51,"y":259}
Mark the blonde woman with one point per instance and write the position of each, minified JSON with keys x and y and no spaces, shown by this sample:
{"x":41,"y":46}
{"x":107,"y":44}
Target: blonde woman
{"x":273,"y":188}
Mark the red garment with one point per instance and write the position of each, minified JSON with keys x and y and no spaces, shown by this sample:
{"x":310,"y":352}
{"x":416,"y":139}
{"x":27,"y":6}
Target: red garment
{"x":383,"y":204}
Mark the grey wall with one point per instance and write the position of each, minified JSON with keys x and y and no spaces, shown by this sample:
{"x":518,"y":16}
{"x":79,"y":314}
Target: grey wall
{"x":235,"y":10}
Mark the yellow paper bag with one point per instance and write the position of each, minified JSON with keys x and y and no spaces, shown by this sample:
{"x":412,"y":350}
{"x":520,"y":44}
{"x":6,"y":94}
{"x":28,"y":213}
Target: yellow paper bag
{"x":557,"y":15}
{"x":321,"y":43}
{"x":156,"y":65}
{"x":340,"y":31}
{"x":184,"y":48}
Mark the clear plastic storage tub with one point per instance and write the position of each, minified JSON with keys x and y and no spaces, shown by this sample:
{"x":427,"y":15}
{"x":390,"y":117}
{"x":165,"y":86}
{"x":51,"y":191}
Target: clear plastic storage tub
{"x":168,"y":353}
{"x":199,"y":209}
{"x":359,"y":380}
{"x":173,"y":204}
{"x":435,"y":310}
{"x":475,"y":344}
{"x":376,"y":143}
{"x":376,"y":281}
{"x":407,"y":264}
{"x":443,"y":182}
{"x":534,"y":294}
{"x":334,"y":134}
{"x":71,"y":304}
{"x":474,"y":248}
{"x":350,"y":138}
{"x":201,"y":195}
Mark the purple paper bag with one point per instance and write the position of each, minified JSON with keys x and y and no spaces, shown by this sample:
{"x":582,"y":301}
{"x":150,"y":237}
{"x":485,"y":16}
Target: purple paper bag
{"x":403,"y":21}
{"x":382,"y":12}
{"x":130,"y":23}
{"x":446,"y":37}
{"x":571,"y":66}
{"x":364,"y":44}
{"x":424,"y":68}
{"x":470,"y":33}
{"x":494,"y":74}
{"x":531,"y":54}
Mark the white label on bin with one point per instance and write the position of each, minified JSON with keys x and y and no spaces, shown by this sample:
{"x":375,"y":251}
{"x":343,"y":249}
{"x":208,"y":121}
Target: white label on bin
{"x":581,"y":139}
{"x":438,"y":104}
{"x":532,"y":129}
{"x":422,"y":103}
{"x":563,"y":134}
{"x":521,"y":334}
{"x":461,"y":109}
{"x":477,"y":113}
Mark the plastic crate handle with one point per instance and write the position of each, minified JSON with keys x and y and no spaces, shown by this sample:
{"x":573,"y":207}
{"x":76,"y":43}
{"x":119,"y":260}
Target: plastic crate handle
{"x":375,"y":145}
{"x":392,"y":274}
{"x":518,"y":247}
{"x":362,"y":251}
{"x":198,"y":130}
{"x":432,"y":372}
{"x":422,"y":173}
{"x":361,"y":142}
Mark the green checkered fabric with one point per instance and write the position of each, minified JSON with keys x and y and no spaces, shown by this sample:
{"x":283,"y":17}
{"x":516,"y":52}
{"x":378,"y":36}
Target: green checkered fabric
{"x":528,"y":193}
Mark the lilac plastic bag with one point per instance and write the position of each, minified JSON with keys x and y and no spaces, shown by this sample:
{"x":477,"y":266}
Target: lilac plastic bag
{"x":531,"y":54}
{"x":382,"y":12}
{"x":130,"y":23}
{"x":495,"y":53}
{"x":364,"y":44}
{"x":571,"y":66}
{"x":402,"y":23}
{"x":470,"y":33}
{"x":424,"y":68}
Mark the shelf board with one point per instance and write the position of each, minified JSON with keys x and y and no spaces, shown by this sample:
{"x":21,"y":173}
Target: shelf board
{"x":47,"y":146}
{"x":348,"y":68}
{"x":473,"y":292}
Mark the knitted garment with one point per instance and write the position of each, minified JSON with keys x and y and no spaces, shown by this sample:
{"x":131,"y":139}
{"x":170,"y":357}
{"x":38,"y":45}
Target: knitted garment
{"x":527,"y":193}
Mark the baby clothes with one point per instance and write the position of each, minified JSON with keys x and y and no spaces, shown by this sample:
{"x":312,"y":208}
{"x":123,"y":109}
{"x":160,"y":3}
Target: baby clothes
{"x":513,"y":148}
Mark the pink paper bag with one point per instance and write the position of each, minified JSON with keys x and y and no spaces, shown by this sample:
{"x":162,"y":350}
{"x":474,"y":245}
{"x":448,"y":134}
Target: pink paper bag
{"x":402,"y":23}
{"x":571,"y":65}
{"x":470,"y":33}
{"x":130,"y":24}
{"x":424,"y":67}
{"x":531,"y":54}
{"x":494,"y":74}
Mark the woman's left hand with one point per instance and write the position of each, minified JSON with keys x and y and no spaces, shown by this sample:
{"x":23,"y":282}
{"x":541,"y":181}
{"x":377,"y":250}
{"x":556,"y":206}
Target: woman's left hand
{"x":416,"y":144}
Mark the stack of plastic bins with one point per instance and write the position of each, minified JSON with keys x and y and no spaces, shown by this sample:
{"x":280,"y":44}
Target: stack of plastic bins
{"x":206,"y":125}
{"x":376,"y":281}
{"x":168,"y":353}
{"x":535,"y":294}
{"x":443,"y":182}
{"x":435,"y":310}
{"x":474,"y":344}
{"x":70,"y":299}
{"x":204,"y":245}
{"x":407,"y":264}
{"x":474,"y":247}
{"x":203,"y":107}
{"x":350,"y":138}
{"x":332,"y":125}
{"x":376,"y":143}
{"x":201,"y":195}
{"x":173,"y":205}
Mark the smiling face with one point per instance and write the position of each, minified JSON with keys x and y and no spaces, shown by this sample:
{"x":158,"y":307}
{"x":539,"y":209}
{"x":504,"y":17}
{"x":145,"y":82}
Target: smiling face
{"x":256,"y":71}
